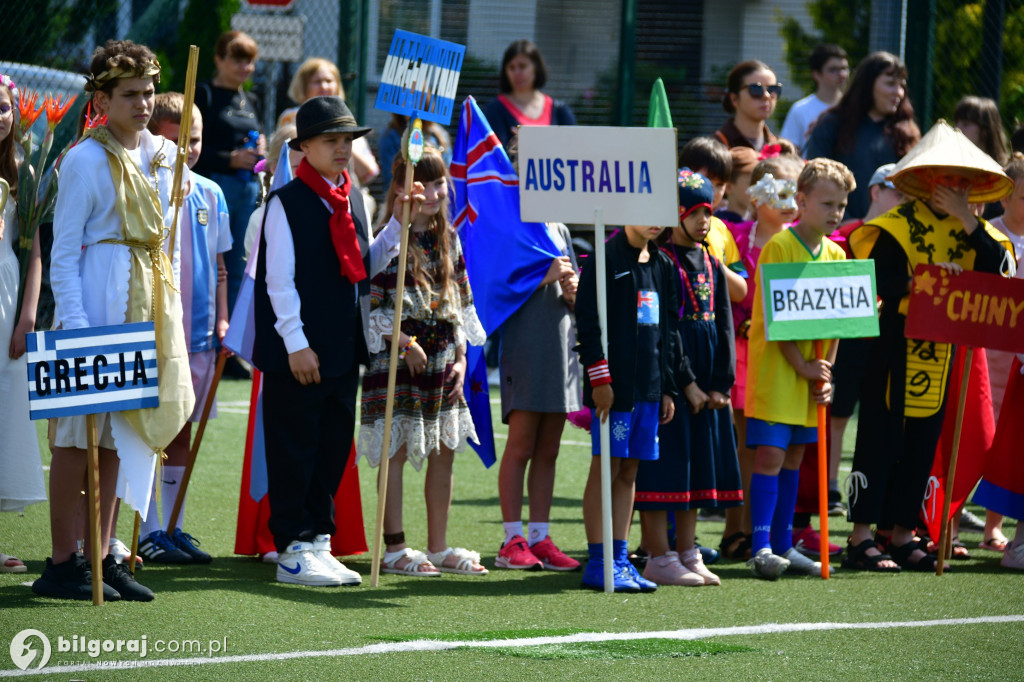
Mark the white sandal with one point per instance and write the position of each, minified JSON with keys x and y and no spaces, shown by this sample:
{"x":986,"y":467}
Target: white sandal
{"x":464,"y":566}
{"x":417,"y":566}
{"x":11,"y":564}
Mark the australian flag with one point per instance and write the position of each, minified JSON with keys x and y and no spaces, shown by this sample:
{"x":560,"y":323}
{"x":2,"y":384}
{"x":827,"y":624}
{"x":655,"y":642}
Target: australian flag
{"x":506,"y":259}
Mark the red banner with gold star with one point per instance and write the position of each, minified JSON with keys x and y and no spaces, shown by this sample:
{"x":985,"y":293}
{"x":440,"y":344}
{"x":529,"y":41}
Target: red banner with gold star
{"x":970,"y":309}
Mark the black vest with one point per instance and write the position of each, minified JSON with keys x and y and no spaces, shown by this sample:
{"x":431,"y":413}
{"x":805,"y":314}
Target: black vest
{"x":330,"y":313}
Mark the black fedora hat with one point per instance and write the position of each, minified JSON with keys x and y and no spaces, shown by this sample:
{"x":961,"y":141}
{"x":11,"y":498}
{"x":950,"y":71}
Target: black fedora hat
{"x":325,"y":114}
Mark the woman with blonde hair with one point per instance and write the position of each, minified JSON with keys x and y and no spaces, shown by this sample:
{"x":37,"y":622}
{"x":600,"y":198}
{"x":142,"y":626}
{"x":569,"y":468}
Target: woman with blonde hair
{"x":317,"y":77}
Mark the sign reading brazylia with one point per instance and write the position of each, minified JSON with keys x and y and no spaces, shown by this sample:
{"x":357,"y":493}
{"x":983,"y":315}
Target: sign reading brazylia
{"x":827,"y":300}
{"x":420,"y":77}
{"x":970,"y":309}
{"x":95,"y":369}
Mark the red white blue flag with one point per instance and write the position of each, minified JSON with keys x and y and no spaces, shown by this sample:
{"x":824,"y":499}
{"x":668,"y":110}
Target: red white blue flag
{"x":506,"y":258}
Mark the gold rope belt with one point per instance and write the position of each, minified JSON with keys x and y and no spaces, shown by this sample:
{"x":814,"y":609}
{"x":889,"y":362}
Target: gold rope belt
{"x":154,"y":251}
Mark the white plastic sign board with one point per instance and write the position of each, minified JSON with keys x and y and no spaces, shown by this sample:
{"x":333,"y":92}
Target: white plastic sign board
{"x":278,"y":35}
{"x":96,"y":369}
{"x":565,"y":172}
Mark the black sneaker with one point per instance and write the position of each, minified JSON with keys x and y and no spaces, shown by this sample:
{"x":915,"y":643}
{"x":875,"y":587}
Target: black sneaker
{"x":190,"y":546}
{"x":71,"y":579}
{"x":121,"y":579}
{"x":159,"y":547}
{"x":835,"y":504}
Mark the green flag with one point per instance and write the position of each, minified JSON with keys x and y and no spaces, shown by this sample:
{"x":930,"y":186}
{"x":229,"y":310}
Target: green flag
{"x":659,"y":115}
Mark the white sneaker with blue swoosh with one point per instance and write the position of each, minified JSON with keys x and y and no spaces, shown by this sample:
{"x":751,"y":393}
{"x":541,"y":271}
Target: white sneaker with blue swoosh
{"x":322,"y":549}
{"x":299,"y":565}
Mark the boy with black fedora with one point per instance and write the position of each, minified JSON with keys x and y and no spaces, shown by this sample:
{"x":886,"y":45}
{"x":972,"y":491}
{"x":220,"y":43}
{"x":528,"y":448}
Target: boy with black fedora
{"x":315,"y":260}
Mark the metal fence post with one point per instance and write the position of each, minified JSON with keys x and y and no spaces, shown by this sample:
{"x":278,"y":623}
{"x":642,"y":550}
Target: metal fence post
{"x":920,"y":58}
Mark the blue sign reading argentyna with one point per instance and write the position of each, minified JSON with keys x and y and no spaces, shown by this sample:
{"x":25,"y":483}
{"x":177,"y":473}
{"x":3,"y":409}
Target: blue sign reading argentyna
{"x":420,"y":77}
{"x":90,"y":370}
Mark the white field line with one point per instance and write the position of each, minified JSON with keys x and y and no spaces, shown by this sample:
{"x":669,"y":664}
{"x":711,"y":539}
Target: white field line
{"x":435,"y":645}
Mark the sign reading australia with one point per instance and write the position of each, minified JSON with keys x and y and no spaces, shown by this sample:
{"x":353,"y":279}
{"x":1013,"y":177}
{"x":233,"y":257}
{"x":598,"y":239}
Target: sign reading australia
{"x":566,"y":173}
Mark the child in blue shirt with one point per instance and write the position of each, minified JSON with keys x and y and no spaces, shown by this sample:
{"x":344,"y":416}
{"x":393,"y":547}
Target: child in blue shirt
{"x":205,"y":238}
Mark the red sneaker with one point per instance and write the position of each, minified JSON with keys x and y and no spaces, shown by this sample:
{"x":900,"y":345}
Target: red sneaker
{"x":807,"y":541}
{"x":553,"y":558}
{"x":516,"y":554}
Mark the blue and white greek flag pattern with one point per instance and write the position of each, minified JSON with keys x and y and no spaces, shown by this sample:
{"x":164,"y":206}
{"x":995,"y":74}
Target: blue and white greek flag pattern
{"x":91,"y":370}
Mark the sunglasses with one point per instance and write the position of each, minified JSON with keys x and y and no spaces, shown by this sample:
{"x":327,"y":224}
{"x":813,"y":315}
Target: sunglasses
{"x":757,"y":90}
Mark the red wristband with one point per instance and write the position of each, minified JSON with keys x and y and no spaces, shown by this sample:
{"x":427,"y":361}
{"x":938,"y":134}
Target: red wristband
{"x":599,"y":374}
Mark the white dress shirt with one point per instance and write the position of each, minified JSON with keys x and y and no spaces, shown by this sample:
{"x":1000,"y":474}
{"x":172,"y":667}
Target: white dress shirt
{"x":281,"y":268}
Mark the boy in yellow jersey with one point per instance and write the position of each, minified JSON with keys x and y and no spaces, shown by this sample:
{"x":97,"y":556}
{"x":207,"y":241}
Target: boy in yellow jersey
{"x":785,"y":381}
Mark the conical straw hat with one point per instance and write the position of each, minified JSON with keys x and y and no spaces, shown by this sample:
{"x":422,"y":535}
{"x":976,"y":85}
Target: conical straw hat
{"x":947,"y":151}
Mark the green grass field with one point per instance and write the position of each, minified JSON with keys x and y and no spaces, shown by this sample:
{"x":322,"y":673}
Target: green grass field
{"x":236,"y":602}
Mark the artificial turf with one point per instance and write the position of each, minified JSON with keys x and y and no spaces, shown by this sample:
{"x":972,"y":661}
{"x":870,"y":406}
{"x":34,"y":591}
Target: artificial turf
{"x":236,"y":598}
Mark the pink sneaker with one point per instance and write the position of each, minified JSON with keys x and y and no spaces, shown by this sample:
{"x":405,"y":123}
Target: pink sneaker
{"x":668,"y":570}
{"x":516,"y":554}
{"x":807,"y":541}
{"x":553,"y":558}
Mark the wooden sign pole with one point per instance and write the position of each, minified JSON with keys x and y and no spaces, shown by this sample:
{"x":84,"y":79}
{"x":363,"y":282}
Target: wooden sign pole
{"x":945,"y":534}
{"x":396,"y":331}
{"x":93,"y":488}
{"x":211,"y":395}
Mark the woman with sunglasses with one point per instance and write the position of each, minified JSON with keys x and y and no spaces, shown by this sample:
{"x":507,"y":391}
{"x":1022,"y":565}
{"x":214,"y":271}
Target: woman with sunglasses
{"x":752,"y":93}
{"x":872,"y":125}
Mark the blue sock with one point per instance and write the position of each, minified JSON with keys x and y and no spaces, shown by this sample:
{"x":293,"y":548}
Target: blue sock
{"x":764,"y":491}
{"x":782,"y":520}
{"x":620,"y":553}
{"x":595,"y":551}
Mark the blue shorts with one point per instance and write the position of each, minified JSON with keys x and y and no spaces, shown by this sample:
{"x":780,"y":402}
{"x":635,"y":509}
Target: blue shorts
{"x":634,"y":435}
{"x":777,"y":435}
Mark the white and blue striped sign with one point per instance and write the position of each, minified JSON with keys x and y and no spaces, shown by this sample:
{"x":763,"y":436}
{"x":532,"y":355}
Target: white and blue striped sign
{"x":420,"y":77}
{"x":91,"y":370}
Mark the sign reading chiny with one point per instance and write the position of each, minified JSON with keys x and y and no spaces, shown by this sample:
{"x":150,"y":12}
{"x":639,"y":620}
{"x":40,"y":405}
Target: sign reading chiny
{"x":95,"y":369}
{"x":827,"y":300}
{"x":420,"y":77}
{"x":565,"y":172}
{"x":969,"y":309}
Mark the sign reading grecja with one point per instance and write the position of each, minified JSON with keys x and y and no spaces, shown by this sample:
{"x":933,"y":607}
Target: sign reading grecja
{"x":971,"y":309}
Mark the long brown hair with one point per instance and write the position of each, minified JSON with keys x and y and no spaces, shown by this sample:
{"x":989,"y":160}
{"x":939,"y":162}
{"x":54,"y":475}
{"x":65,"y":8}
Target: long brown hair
{"x":8,"y":159}
{"x":900,"y":127}
{"x":984,"y":113}
{"x":430,"y":168}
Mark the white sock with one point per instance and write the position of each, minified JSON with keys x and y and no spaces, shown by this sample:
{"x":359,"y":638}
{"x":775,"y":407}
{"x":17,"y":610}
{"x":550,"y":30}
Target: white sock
{"x":169,"y":491}
{"x":512,"y":529}
{"x":152,"y":522}
{"x":538,"y":531}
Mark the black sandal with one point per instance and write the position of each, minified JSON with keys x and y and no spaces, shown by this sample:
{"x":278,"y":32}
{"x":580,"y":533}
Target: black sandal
{"x":740,"y":544}
{"x":926,"y":564}
{"x":857,"y":557}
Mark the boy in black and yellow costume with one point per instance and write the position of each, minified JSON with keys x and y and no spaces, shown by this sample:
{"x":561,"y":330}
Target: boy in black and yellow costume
{"x":903,"y":395}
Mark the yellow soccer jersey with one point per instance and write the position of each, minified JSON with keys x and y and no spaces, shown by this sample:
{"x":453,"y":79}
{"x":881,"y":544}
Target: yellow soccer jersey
{"x":775,"y":392}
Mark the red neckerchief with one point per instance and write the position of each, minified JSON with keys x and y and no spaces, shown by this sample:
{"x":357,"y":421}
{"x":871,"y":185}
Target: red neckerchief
{"x":343,"y":229}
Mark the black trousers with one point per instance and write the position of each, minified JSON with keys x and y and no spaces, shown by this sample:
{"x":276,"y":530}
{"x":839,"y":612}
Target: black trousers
{"x":894,"y":454}
{"x":308,"y":432}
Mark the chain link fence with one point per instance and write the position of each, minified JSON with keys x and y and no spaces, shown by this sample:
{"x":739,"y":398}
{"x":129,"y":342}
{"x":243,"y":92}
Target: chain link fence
{"x":954,"y":47}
